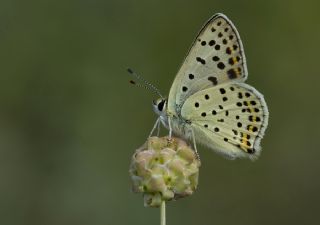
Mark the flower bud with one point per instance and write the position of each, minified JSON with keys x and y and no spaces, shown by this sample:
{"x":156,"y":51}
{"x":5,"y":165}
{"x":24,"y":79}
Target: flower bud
{"x":164,"y":169}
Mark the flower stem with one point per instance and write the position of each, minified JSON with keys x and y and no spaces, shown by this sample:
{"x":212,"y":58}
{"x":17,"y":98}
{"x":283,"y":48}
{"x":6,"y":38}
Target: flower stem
{"x":163,"y":213}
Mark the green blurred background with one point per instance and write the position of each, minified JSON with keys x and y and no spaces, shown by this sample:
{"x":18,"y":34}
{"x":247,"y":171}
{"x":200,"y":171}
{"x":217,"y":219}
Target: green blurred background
{"x":70,"y":121}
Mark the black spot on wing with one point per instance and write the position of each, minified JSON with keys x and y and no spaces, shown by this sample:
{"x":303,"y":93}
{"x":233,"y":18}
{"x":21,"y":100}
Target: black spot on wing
{"x":200,"y":60}
{"x":228,"y":50}
{"x":213,"y":80}
{"x":191,"y":76}
{"x":215,"y":58}
{"x":221,"y":65}
{"x":232,"y":74}
{"x":212,"y":42}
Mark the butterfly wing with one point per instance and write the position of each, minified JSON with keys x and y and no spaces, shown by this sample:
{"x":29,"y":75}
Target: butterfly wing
{"x":216,"y":56}
{"x":230,"y":119}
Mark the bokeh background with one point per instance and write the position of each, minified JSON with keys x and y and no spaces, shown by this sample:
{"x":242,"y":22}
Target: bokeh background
{"x":70,"y":121}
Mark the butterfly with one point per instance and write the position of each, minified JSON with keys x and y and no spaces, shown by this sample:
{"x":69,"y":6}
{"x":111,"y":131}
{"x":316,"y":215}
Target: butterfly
{"x":209,"y":103}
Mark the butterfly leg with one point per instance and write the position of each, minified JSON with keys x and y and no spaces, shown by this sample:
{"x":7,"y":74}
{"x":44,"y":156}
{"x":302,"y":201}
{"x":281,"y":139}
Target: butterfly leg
{"x":157,"y":124}
{"x":194,"y":144}
{"x":170,"y":129}
{"x":158,"y":131}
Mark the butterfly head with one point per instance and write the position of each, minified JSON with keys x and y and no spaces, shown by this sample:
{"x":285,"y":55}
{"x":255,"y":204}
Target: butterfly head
{"x":160,"y":106}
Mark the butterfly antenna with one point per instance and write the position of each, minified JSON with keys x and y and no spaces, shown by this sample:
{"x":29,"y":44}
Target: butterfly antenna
{"x":147,"y":85}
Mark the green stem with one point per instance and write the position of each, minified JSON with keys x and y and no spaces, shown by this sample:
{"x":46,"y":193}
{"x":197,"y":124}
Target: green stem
{"x":163,"y":213}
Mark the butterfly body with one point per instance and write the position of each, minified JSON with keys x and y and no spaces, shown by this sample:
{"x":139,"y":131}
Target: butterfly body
{"x":179,"y":125}
{"x":209,"y":101}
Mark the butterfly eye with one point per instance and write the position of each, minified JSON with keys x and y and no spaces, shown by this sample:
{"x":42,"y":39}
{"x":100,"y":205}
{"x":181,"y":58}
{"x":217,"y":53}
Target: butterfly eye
{"x":160,"y":105}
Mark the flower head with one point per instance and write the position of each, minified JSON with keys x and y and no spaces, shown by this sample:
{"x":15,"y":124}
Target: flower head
{"x":164,"y":169}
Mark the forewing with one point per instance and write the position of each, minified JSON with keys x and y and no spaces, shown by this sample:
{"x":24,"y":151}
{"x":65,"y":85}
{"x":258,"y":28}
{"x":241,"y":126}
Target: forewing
{"x":216,"y":57}
{"x":230,"y":118}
